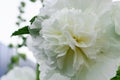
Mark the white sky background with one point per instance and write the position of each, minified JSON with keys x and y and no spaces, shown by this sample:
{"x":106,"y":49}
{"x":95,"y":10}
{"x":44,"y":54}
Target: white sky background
{"x":8,"y":17}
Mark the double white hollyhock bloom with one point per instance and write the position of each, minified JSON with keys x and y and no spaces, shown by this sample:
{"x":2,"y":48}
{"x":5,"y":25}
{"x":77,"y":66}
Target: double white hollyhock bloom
{"x":78,"y":39}
{"x":24,"y":73}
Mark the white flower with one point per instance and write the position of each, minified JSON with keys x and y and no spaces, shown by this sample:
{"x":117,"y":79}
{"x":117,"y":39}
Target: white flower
{"x":78,"y":40}
{"x":24,"y":73}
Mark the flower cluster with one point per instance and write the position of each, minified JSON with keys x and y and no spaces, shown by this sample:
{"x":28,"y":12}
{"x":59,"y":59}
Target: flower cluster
{"x":77,"y":39}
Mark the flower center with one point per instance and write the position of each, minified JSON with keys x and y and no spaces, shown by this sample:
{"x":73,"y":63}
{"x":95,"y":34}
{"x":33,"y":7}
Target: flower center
{"x":80,"y":39}
{"x":74,"y":29}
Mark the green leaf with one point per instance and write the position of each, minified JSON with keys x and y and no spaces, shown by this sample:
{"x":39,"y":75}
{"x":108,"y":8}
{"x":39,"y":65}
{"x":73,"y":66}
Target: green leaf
{"x":15,"y":59}
{"x":117,"y":77}
{"x":19,"y":45}
{"x":33,"y":19}
{"x":10,"y":46}
{"x":21,"y":31}
{"x":21,"y":10}
{"x":21,"y":19}
{"x":23,"y":56}
{"x":23,"y":4}
{"x":33,"y":0}
{"x":18,"y":23}
{"x":10,"y":66}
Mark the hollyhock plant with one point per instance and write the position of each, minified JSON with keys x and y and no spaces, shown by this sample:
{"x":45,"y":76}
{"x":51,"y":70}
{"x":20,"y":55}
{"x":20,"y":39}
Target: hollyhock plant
{"x":77,"y":39}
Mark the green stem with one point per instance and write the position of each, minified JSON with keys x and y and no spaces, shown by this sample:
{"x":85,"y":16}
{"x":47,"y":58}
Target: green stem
{"x":37,"y":72}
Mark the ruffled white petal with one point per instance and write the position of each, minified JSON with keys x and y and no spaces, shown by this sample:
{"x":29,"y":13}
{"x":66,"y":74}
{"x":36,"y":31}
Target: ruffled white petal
{"x":103,"y":70}
{"x":98,"y":71}
{"x":24,"y":73}
{"x":58,"y":76}
{"x":107,"y":44}
{"x":97,"y":6}
{"x":116,"y":17}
